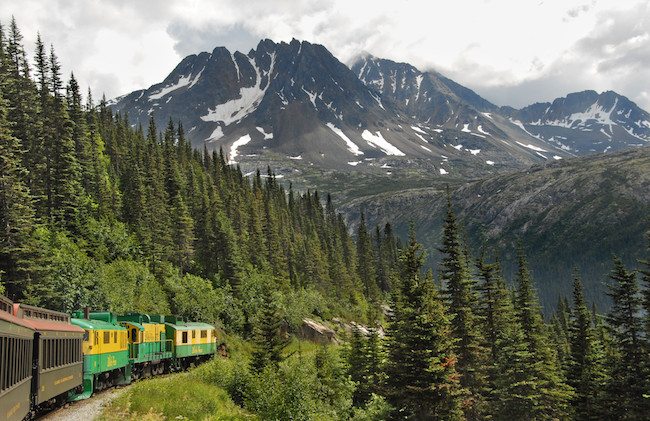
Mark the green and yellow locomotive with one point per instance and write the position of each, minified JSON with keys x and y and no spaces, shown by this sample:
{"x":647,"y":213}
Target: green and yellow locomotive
{"x":105,"y":351}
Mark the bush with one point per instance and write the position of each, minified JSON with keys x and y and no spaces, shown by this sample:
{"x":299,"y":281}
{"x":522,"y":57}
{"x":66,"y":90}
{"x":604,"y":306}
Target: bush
{"x":377,"y":409}
{"x":126,"y":285}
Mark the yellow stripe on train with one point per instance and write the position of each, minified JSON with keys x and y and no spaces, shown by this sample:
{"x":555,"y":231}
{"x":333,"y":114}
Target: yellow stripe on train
{"x":105,"y":341}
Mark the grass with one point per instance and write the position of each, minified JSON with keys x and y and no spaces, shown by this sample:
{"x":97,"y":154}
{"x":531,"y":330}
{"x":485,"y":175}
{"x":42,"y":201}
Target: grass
{"x":176,"y":397}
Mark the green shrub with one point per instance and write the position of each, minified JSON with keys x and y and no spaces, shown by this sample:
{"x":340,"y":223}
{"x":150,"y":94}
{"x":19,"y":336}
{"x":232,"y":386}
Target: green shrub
{"x":181,"y":397}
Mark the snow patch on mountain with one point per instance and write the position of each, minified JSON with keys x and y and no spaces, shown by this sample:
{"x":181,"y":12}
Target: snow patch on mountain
{"x":266,"y":135}
{"x":379,"y":141}
{"x":352,"y":147}
{"x":480,"y":129}
{"x":532,"y":147}
{"x":216,"y":135}
{"x":236,"y":144}
{"x":248,"y":101}
{"x":595,"y":112}
{"x":183,"y":81}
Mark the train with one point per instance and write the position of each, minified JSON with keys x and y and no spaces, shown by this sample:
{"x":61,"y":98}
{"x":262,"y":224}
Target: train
{"x":48,"y":358}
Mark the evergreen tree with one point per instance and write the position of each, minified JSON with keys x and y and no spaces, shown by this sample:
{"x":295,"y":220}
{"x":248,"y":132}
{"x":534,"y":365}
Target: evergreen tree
{"x":268,"y":336}
{"x":511,"y":385}
{"x":358,"y":366}
{"x":366,"y":268}
{"x":421,"y":378}
{"x":461,"y":298}
{"x":645,"y":278}
{"x":552,"y":394}
{"x":183,"y":233}
{"x":65,"y":182}
{"x":586,"y":373}
{"x":16,"y":212}
{"x":627,"y":383}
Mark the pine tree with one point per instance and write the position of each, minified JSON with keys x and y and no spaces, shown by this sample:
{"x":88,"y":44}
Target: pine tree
{"x":586,"y":373}
{"x":374,"y":360}
{"x":551,"y":394}
{"x":366,"y":268}
{"x":461,"y":298}
{"x":645,"y":279}
{"x":66,"y":195}
{"x":511,"y":387}
{"x":421,"y":378}
{"x":183,"y":233}
{"x":626,"y":388}
{"x":268,"y":336}
{"x":16,"y":211}
{"x":358,"y":366}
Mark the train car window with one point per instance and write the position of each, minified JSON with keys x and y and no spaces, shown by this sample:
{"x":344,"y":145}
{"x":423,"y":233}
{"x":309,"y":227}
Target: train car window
{"x":115,"y":337}
{"x":184,"y":337}
{"x":3,"y":365}
{"x":45,"y":353}
{"x":204,"y":334}
{"x":9,"y":356}
{"x":107,"y":337}
{"x":194,"y":334}
{"x":134,"y":335}
{"x":3,"y":362}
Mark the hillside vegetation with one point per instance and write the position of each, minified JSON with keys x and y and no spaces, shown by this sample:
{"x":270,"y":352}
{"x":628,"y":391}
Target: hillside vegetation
{"x":573,"y":213}
{"x":97,"y":212}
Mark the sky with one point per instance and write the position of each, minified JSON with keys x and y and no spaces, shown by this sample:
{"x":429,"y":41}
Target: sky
{"x":512,"y":52}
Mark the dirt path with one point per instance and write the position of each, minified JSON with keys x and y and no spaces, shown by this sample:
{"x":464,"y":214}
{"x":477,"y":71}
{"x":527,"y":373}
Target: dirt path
{"x":86,"y":410}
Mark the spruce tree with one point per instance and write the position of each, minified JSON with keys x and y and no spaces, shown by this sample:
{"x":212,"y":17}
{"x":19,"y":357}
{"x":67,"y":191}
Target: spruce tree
{"x":358,"y":366}
{"x":627,"y":384}
{"x":17,"y":221}
{"x":461,"y":299}
{"x":66,"y":195}
{"x":510,"y":384}
{"x":586,"y":373}
{"x":421,"y":379}
{"x":551,"y":394}
{"x":268,"y":336}
{"x":367,"y":264}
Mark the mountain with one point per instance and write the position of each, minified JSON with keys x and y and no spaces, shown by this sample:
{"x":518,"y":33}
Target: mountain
{"x":578,"y":211}
{"x":579,"y":124}
{"x":295,"y":106}
{"x":586,"y":122}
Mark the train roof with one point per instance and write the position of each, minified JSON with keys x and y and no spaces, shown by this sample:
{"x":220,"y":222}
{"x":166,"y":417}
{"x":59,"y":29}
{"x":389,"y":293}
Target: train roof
{"x":136,"y":324}
{"x":190,"y":325}
{"x":6,"y":313}
{"x":91,"y":324}
{"x":43,"y":319}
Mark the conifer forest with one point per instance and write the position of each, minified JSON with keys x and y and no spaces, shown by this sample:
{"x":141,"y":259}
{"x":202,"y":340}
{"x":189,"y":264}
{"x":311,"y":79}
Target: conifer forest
{"x":97,"y":211}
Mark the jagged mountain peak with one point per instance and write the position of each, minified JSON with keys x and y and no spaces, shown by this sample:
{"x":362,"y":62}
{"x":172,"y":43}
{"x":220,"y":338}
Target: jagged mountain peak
{"x":296,"y":103}
{"x":587,"y":121}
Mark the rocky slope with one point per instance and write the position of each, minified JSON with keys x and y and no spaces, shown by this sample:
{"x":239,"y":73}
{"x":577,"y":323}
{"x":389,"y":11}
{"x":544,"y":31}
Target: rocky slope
{"x":576,"y":212}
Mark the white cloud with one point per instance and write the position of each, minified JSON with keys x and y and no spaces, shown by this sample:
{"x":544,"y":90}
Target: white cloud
{"x":512,"y":52}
